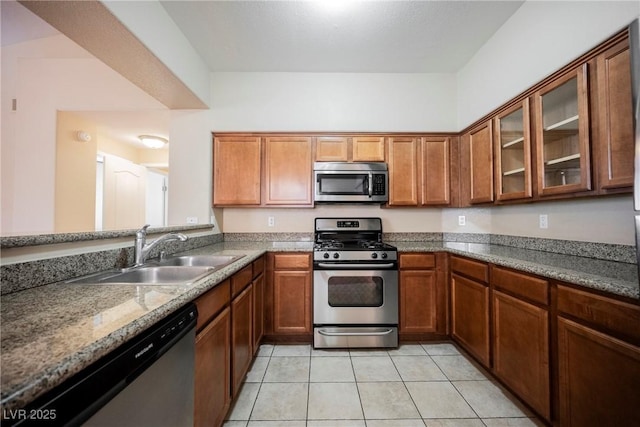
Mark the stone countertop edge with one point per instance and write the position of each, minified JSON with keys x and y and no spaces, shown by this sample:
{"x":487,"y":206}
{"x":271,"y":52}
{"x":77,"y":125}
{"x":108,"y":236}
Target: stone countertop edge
{"x":21,"y":391}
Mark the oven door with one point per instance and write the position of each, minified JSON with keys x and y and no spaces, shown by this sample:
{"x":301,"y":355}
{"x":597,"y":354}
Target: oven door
{"x":355,"y":297}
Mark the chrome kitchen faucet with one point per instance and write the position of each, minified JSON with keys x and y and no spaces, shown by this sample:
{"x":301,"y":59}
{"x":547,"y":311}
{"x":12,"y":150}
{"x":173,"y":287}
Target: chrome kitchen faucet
{"x":142,"y":249}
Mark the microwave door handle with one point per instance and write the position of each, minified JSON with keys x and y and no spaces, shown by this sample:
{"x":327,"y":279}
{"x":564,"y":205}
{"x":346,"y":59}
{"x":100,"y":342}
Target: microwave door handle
{"x":370,"y":184}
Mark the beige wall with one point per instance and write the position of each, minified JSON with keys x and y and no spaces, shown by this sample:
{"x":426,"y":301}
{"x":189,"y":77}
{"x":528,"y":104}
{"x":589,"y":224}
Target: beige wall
{"x":75,"y":175}
{"x":603,"y":220}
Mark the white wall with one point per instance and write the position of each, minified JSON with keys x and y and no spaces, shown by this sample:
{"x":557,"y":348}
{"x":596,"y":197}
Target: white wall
{"x":333,"y":102}
{"x":540,"y":38}
{"x":42,"y":86}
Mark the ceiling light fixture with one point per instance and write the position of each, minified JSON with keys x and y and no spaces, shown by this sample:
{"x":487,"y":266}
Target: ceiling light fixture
{"x":153,"y":141}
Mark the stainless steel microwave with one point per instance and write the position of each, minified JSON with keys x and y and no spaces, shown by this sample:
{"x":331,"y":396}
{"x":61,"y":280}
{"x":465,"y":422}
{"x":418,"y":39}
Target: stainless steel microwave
{"x":342,"y":182}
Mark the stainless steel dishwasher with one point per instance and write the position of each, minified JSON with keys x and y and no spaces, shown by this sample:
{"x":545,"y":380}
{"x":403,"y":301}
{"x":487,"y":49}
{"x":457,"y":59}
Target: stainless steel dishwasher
{"x":146,"y":382}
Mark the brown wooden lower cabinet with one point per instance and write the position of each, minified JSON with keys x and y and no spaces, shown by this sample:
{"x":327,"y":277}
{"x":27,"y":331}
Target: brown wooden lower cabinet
{"x":599,"y":378}
{"x":241,"y":338}
{"x":258,"y":311}
{"x":521,"y":350}
{"x":289,"y":304}
{"x":212,"y":396}
{"x":470,"y":307}
{"x":470,"y":316}
{"x":422,"y":295}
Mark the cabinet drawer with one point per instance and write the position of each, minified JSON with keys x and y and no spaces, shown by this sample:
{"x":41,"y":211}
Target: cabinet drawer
{"x":292,"y":261}
{"x":615,"y":316}
{"x":240,"y":280}
{"x":523,"y":285}
{"x":258,"y":267}
{"x":475,"y":269}
{"x":417,"y":260}
{"x":212,"y":302}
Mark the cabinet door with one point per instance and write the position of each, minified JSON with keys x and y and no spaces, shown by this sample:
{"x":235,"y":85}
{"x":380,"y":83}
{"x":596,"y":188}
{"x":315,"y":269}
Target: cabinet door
{"x":403,"y":174}
{"x":292,"y":302}
{"x":418,"y":301}
{"x":479,"y":145}
{"x":288,"y":174}
{"x":368,"y":148}
{"x":521,"y":350}
{"x":241,"y":338}
{"x":212,"y":395}
{"x":470,"y":316}
{"x":562,"y":134}
{"x":434,"y":165}
{"x":236,"y":171}
{"x":513,"y":153}
{"x":331,"y":149}
{"x":615,"y":117}
{"x":598,"y":378}
{"x":258,"y":311}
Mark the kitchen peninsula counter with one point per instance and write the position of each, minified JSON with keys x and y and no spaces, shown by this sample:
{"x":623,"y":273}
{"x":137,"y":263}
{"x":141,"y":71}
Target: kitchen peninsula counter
{"x":51,"y":332}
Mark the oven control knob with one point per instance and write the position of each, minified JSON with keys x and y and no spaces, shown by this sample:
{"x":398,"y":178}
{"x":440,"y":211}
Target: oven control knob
{"x":374,"y":255}
{"x":384,"y":255}
{"x":336,"y":255}
{"x":326,"y":255}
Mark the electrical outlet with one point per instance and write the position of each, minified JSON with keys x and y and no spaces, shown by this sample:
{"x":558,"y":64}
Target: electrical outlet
{"x":544,"y":221}
{"x":192,"y":220}
{"x":271,"y":221}
{"x":462,"y":220}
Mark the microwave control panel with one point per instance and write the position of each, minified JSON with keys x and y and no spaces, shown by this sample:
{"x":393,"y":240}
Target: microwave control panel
{"x":379,"y":184}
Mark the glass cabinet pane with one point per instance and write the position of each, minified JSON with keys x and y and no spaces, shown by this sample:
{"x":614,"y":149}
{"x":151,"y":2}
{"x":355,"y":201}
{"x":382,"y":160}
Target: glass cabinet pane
{"x":514,"y":153}
{"x":563,"y":135}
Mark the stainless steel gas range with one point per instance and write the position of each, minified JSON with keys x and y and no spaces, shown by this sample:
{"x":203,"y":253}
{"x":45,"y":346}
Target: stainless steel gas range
{"x":355,"y":285}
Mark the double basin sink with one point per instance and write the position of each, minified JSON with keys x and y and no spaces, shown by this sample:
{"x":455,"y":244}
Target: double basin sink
{"x":180,"y":270}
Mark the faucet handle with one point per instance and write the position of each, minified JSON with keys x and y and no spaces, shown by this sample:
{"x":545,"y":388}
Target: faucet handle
{"x":143,"y":230}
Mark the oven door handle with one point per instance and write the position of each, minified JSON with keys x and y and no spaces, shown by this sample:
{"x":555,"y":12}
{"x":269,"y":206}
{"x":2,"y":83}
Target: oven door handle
{"x":350,"y":266}
{"x":355,"y":334}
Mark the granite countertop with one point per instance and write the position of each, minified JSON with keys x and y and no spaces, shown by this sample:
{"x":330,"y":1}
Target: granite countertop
{"x":51,"y":332}
{"x":614,"y":277}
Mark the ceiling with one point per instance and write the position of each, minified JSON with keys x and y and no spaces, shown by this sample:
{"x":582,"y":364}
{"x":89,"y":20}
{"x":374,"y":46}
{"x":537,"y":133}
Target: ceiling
{"x":303,"y":36}
{"x":339,"y":35}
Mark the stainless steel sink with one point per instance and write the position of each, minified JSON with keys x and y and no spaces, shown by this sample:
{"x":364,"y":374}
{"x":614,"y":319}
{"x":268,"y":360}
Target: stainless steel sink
{"x":160,"y":275}
{"x":217,"y":261}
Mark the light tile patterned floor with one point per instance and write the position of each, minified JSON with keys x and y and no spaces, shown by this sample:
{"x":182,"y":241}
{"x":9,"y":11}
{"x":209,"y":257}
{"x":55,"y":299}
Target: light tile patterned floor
{"x":431,"y":385}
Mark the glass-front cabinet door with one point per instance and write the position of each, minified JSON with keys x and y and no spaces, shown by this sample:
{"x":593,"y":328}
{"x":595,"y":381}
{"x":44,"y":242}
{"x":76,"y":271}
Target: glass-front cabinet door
{"x":513,"y":153}
{"x":562,"y":134}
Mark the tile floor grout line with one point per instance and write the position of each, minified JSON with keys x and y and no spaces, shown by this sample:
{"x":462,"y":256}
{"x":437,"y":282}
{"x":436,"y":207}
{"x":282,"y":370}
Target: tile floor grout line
{"x":355,"y":380}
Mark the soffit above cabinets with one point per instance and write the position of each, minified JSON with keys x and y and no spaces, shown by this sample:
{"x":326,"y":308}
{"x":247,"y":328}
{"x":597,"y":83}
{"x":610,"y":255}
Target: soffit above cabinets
{"x":339,"y":35}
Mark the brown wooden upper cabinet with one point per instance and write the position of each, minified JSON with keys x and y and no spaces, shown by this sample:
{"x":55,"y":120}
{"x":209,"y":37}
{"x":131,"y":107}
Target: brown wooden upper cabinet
{"x":435,"y":166}
{"x":615,"y":118}
{"x":562,"y":134}
{"x":350,"y":149}
{"x":288,"y":170}
{"x":403,"y":170}
{"x":418,"y":170}
{"x":236,"y":170}
{"x":513,"y":152}
{"x":368,"y":148}
{"x":476,"y":163}
{"x":332,"y":149}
